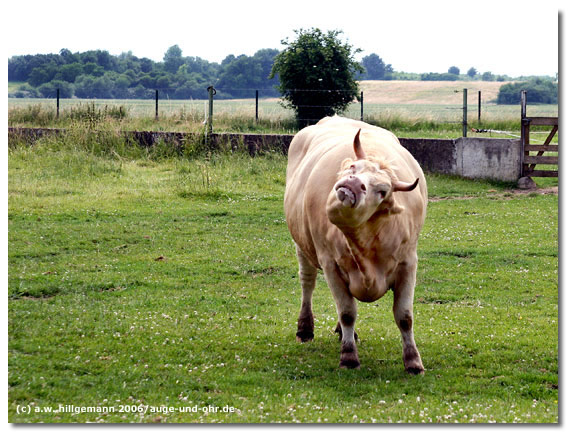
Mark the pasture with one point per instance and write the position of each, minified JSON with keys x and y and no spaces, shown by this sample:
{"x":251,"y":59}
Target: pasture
{"x":153,"y":288}
{"x":408,"y":108}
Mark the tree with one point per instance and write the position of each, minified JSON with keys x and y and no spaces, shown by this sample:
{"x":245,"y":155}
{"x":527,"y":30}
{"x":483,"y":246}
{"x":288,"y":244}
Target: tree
{"x":173,"y":59}
{"x":69,"y":72}
{"x":375,"y":68}
{"x":316,"y":74}
{"x":242,"y":75}
{"x":49,"y":90}
{"x":472,"y":72}
{"x":487,"y":77}
{"x":538,"y":91}
{"x":454,"y":70}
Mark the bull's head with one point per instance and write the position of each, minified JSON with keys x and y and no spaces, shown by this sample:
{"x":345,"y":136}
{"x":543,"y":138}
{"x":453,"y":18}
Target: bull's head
{"x":364,"y":188}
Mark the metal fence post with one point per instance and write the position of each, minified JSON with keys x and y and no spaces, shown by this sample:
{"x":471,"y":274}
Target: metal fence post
{"x":464,"y":111}
{"x":362,"y":106}
{"x":257,"y":106}
{"x":156,"y":112}
{"x":57,"y":114}
{"x":479,"y":104}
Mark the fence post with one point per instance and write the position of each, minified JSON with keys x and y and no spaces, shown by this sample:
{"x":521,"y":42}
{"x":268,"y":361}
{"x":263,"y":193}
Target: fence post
{"x":464,"y":111}
{"x":156,"y":112}
{"x":362,"y":106}
{"x":209,"y":126}
{"x":57,"y":114}
{"x":524,"y":134}
{"x":256,"y":106}
{"x":479,"y":104}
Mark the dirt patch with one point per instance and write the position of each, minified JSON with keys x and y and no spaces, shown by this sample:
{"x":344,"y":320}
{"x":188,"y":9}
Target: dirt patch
{"x":510,"y":193}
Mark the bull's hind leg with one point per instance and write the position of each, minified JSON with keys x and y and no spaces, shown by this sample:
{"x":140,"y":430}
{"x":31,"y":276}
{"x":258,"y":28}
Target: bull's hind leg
{"x":347,"y":312}
{"x":403,"y":312}
{"x":307,"y":274}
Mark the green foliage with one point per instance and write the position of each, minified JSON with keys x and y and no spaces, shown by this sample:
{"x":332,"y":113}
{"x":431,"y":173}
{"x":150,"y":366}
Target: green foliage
{"x":538,"y":91}
{"x":488,"y":77}
{"x":472,"y":72}
{"x":316,"y":73}
{"x":437,"y":77}
{"x":97,"y":74}
{"x":454,"y":70}
{"x":49,"y":89}
{"x":242,"y":75}
{"x":375,"y":68}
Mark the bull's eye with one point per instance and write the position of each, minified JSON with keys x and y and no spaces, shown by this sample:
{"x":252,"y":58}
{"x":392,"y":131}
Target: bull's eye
{"x":353,"y":168}
{"x":382,"y":194}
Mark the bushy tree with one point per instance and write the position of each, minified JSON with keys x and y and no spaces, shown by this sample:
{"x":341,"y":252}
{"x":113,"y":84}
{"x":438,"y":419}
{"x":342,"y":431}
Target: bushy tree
{"x":454,"y":70}
{"x":317,"y":74}
{"x":242,"y":75}
{"x":538,"y":91}
{"x":49,"y":90}
{"x":488,"y":76}
{"x":173,"y":59}
{"x":472,"y":72}
{"x":375,"y":68}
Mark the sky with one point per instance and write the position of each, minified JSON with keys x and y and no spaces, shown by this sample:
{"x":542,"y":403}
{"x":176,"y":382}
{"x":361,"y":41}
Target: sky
{"x":503,"y":37}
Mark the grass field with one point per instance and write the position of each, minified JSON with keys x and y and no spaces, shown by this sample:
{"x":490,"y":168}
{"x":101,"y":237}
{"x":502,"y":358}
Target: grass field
{"x":140,"y":283}
{"x":408,"y":108}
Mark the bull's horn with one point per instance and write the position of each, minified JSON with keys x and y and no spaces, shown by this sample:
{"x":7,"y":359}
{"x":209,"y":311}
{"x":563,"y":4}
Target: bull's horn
{"x":360,"y":153}
{"x":402,"y":186}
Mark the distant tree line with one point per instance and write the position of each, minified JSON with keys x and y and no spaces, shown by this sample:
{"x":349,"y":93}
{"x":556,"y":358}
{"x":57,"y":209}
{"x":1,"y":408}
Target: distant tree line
{"x":98,"y":74}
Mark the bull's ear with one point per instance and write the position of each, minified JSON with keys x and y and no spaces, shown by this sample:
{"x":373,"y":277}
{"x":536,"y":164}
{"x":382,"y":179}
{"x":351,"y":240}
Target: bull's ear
{"x":358,"y":150}
{"x":402,"y":186}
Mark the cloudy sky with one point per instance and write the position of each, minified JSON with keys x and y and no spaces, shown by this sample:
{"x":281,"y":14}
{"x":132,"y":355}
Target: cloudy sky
{"x":504,"y":37}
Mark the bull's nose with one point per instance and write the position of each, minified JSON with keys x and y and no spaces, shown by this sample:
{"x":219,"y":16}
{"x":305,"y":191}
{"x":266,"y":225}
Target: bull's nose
{"x":352,"y":183}
{"x":349,"y":190}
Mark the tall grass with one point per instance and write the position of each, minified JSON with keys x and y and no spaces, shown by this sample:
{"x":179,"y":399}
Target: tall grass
{"x":411,"y":120}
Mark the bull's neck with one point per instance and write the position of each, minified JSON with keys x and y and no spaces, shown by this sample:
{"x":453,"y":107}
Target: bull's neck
{"x":363,"y":241}
{"x":363,"y":237}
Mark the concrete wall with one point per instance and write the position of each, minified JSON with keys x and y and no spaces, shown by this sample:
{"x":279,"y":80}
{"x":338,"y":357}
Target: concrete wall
{"x":487,"y":158}
{"x":476,"y":158}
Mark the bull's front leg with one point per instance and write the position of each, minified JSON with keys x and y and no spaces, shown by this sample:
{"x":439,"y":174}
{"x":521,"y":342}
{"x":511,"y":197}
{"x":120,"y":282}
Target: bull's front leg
{"x":347,"y":312}
{"x":403,"y":293}
{"x":307,"y":273}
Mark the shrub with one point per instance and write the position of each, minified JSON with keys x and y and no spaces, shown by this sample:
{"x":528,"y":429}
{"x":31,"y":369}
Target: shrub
{"x":538,"y":91}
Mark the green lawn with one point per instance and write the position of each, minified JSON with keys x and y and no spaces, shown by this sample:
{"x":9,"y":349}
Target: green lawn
{"x":138,"y":284}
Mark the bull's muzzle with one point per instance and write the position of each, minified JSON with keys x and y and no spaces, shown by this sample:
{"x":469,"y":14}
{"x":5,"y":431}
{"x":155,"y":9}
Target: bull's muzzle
{"x":349,"y":190}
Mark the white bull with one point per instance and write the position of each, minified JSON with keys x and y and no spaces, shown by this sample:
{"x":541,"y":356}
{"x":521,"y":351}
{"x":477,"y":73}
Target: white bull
{"x":355,"y":202}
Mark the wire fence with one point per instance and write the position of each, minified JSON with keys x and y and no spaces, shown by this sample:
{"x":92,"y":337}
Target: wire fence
{"x":449,"y":105}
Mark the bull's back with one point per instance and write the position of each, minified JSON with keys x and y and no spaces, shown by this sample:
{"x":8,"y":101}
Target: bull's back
{"x":314,"y":160}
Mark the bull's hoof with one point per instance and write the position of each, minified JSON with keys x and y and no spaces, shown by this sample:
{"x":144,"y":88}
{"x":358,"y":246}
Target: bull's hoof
{"x":350,"y":363}
{"x":415,"y":370}
{"x":349,"y":356}
{"x":304,"y":336}
{"x":412,"y":361}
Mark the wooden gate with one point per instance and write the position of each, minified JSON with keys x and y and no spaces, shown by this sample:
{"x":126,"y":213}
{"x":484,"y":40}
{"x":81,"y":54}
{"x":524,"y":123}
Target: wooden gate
{"x":529,"y":161}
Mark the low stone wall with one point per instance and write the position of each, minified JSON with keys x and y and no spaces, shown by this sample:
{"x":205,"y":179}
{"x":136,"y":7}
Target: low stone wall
{"x":475,"y":158}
